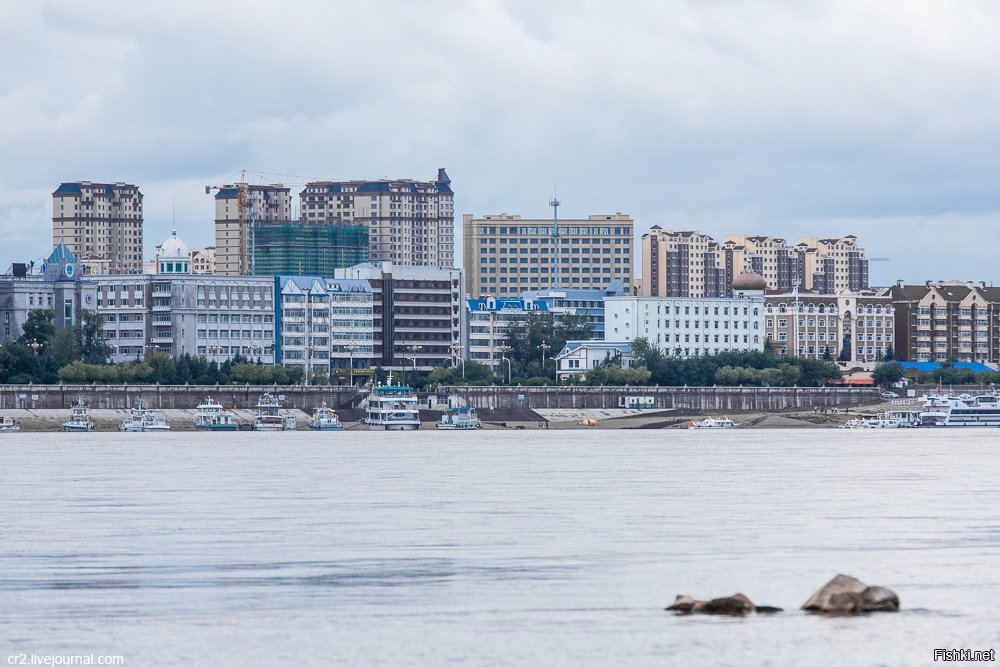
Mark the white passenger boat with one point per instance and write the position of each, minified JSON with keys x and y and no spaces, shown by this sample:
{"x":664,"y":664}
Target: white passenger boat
{"x":79,"y":419}
{"x":211,"y":416}
{"x":392,"y":407}
{"x":8,"y":425}
{"x":142,"y":419}
{"x":269,"y":416}
{"x":962,"y":410}
{"x":892,"y":419}
{"x":324,"y":419}
{"x":459,"y":419}
{"x":714,"y":422}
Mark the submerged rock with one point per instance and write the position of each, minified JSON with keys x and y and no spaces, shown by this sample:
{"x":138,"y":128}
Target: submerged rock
{"x":732,"y":605}
{"x":847,"y":595}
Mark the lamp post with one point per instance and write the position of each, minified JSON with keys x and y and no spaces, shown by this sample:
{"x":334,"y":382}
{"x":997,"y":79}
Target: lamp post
{"x":35,"y":347}
{"x":544,"y":348}
{"x":413,"y":354}
{"x":504,"y":350}
{"x":256,"y":349}
{"x":309,"y":354}
{"x":350,"y":352}
{"x":456,"y":351}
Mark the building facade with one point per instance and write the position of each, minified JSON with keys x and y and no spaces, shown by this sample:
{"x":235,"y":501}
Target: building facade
{"x":101,"y":224}
{"x":239,"y":207}
{"x":488,"y":322}
{"x":946,"y":321}
{"x":505,"y":255}
{"x":580,"y":356}
{"x":847,"y":326}
{"x":418,"y":314}
{"x":692,"y":264}
{"x":689,"y":326}
{"x":307,"y":248}
{"x":588,"y":303}
{"x":324,"y":326}
{"x":409,"y":222}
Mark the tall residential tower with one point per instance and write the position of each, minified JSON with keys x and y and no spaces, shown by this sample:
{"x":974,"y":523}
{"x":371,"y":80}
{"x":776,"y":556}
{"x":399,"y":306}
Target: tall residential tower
{"x":101,"y":224}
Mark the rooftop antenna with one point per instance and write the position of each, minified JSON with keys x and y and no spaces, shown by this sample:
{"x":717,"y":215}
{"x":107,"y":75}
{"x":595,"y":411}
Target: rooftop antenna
{"x":173,"y":214}
{"x":554,"y":203}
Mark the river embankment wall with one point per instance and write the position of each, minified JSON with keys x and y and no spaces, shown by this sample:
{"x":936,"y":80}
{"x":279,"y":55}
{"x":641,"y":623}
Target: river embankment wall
{"x":185,"y":397}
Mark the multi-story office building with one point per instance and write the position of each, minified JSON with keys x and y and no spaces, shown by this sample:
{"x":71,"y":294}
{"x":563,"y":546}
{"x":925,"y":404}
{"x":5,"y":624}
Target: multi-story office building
{"x":847,"y":326}
{"x":307,"y":248}
{"x":177,"y":312}
{"x":418,"y":314}
{"x":692,"y":264}
{"x":942,"y":321}
{"x":101,"y":224}
{"x":691,"y":326}
{"x":203,"y":260}
{"x":586,"y":302}
{"x":239,"y":208}
{"x":325,"y":326}
{"x":409,"y":222}
{"x":505,"y":255}
{"x":488,"y":322}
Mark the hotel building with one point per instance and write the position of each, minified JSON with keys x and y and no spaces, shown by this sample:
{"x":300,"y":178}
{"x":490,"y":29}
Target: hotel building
{"x":505,"y":255}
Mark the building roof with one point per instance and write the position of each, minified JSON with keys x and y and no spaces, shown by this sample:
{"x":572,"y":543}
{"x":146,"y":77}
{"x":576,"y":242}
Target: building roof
{"x":750,"y":281}
{"x":61,"y":255}
{"x":174,"y":247}
{"x":573,"y":345}
{"x":928,"y":366}
{"x":67,"y":188}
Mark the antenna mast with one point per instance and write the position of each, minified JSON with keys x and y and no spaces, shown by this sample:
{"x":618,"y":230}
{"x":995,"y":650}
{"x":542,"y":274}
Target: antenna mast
{"x":554,"y":203}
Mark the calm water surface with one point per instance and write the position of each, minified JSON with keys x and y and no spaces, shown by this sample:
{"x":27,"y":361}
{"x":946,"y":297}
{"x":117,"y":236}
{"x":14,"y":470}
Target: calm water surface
{"x":494,"y":547}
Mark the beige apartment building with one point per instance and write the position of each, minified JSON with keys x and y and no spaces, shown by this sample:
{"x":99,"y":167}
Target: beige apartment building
{"x":505,"y":255}
{"x":692,"y":264}
{"x":409,"y":222}
{"x":101,"y":224}
{"x":846,"y":326}
{"x":238,"y":207}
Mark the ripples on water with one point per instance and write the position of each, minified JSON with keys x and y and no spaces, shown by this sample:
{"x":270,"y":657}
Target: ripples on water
{"x":493,"y":547}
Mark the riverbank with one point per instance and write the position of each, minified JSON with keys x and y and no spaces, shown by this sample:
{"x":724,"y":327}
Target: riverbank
{"x":51,"y":420}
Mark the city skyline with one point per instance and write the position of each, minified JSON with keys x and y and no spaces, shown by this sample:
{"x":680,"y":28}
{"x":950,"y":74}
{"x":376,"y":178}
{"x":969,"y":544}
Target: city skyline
{"x":702,"y":119}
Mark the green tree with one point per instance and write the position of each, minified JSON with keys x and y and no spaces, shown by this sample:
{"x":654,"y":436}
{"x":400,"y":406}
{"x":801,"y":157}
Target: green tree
{"x":887,"y":373}
{"x":90,"y":338}
{"x":38,"y":327}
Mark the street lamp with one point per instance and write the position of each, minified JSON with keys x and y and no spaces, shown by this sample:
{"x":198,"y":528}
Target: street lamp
{"x":256,"y":349}
{"x":350,"y":352}
{"x":504,"y":350}
{"x":413,"y":352}
{"x":309,"y":354}
{"x":456,"y":351}
{"x":35,"y":347}
{"x":544,"y":348}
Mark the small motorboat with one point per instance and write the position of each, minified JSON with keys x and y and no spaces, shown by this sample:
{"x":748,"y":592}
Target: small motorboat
{"x":713,"y":422}
{"x":79,"y":419}
{"x":325,"y":419}
{"x":459,"y":419}
{"x":8,"y":425}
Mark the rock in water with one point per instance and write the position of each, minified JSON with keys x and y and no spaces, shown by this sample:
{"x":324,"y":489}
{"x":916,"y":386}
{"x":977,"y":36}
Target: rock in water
{"x":847,"y":595}
{"x":733,"y":605}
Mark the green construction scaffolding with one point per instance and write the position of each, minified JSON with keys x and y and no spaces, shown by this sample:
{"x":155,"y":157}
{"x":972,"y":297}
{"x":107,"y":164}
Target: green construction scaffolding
{"x":300,"y":248}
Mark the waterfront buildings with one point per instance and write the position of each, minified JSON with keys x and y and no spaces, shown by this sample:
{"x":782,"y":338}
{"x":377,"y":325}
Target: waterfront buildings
{"x":307,"y":248}
{"x":586,"y":302}
{"x":101,"y":224}
{"x":201,"y":260}
{"x":846,"y":326}
{"x":505,"y":255}
{"x":417,"y":314}
{"x":325,"y":326}
{"x":691,"y":326}
{"x":239,"y":208}
{"x":488,"y":322}
{"x":580,"y":356}
{"x":946,"y":321}
{"x":409,"y":222}
{"x":692,"y":264}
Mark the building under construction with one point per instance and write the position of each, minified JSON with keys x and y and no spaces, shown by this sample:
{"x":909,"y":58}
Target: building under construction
{"x":307,"y":248}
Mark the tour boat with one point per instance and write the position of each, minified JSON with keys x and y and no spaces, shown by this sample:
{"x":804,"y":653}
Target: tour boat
{"x":211,"y":416}
{"x":143,"y":419}
{"x":894,"y":419}
{"x":459,"y":419}
{"x":714,"y":422}
{"x":392,"y":408}
{"x":269,"y":416}
{"x":963,"y":410}
{"x":79,"y":419}
{"x":325,"y":419}
{"x":8,"y":425}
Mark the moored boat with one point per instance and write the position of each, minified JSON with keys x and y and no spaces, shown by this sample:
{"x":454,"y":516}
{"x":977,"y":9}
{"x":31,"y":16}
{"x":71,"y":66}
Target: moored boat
{"x":392,"y":407}
{"x":79,"y":419}
{"x":211,"y":416}
{"x":269,"y":416}
{"x":713,"y":422}
{"x":325,"y":419}
{"x":142,"y":419}
{"x":459,"y":419}
{"x":963,"y":410}
{"x":8,"y":425}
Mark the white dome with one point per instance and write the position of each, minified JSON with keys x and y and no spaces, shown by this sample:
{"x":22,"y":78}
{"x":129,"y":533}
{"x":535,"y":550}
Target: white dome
{"x":174,"y":247}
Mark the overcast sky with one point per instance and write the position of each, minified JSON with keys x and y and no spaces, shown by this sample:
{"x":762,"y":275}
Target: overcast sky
{"x":880,"y":119}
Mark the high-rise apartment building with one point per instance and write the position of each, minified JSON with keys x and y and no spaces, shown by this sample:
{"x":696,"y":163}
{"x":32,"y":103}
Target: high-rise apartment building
{"x":692,"y":264}
{"x":307,"y":248}
{"x":409,"y":222}
{"x":101,"y":224}
{"x":505,"y":255}
{"x":238,"y":209}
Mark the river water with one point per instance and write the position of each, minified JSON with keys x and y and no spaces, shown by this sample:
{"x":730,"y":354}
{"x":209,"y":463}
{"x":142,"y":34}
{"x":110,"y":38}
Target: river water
{"x":494,"y":548}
